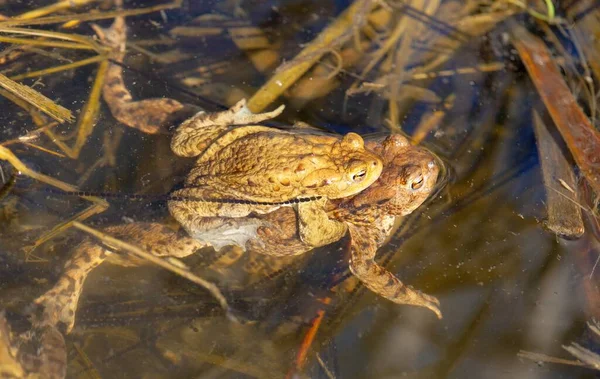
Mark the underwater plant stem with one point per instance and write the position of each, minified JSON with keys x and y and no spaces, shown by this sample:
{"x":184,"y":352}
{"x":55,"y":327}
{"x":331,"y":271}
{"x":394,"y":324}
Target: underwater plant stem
{"x":284,"y":79}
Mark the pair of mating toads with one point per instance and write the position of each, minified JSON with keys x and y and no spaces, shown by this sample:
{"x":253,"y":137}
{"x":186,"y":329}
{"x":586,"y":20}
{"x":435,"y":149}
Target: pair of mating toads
{"x":275,"y":192}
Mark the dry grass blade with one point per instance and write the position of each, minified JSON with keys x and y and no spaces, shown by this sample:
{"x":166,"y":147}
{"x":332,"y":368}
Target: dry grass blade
{"x":591,"y":359}
{"x":31,"y":109}
{"x":473,"y":24}
{"x":61,"y":227}
{"x":90,"y":16}
{"x":184,"y":273}
{"x":7,"y":155}
{"x":582,"y":139}
{"x":324,"y":367}
{"x":485,"y":67}
{"x":36,"y":99}
{"x":87,"y":121}
{"x":587,"y":30}
{"x":56,"y":7}
{"x":586,"y":357}
{"x":538,"y":357}
{"x":78,"y":39}
{"x":431,"y":120}
{"x":90,"y":369}
{"x":99,"y":204}
{"x":55,"y":69}
{"x":40,"y":42}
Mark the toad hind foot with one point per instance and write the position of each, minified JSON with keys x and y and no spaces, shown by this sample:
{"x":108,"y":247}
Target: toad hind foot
{"x":381,"y":281}
{"x":150,"y":116}
{"x":193,"y":136}
{"x":44,"y":355}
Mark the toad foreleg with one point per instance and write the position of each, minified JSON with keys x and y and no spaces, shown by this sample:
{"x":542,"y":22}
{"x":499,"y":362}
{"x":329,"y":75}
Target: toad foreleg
{"x":314,"y":225}
{"x":378,"y":279}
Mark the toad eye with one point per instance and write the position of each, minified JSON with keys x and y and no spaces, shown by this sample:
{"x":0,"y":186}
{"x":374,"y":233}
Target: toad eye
{"x":417,"y":183}
{"x":359,"y":176}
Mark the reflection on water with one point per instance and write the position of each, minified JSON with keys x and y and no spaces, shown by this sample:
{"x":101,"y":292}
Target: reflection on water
{"x":505,"y":283}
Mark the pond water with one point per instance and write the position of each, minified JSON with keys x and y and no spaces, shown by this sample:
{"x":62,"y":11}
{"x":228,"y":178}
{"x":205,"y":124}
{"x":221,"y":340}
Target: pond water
{"x":480,"y":244}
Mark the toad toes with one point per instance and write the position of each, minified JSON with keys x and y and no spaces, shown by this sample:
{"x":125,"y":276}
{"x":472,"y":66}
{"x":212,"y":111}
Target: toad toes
{"x":244,"y":169}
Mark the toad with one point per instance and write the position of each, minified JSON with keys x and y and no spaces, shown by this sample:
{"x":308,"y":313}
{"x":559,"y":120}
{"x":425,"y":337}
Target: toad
{"x":251,"y":169}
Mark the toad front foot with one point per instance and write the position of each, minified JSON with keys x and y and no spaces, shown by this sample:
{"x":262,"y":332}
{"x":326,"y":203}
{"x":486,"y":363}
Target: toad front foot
{"x":315,"y":227}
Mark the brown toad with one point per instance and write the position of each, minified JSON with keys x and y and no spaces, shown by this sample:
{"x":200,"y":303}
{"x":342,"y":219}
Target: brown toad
{"x":262,"y":169}
{"x":408,"y":178}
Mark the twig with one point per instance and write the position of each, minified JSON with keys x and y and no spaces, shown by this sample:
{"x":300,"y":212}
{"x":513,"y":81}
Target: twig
{"x":55,"y":69}
{"x":582,"y":139}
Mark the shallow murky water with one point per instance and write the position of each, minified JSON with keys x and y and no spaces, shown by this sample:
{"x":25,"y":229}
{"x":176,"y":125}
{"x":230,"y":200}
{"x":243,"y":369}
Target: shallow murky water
{"x":506,"y":283}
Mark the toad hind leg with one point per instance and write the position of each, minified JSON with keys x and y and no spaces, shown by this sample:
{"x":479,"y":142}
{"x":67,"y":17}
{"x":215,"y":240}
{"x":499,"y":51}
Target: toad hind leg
{"x":149,"y":116}
{"x":60,"y":302}
{"x":378,"y":279}
{"x":194,"y":135}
